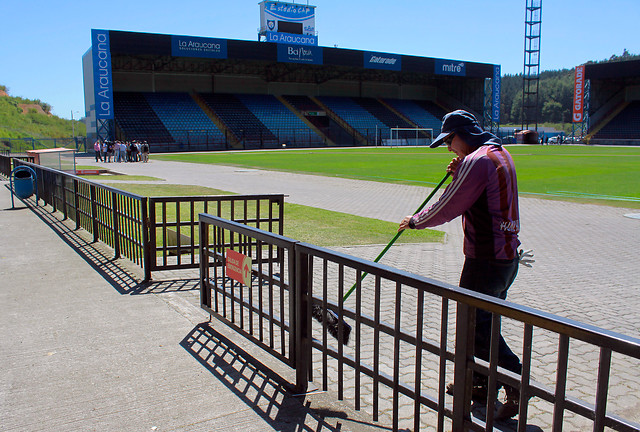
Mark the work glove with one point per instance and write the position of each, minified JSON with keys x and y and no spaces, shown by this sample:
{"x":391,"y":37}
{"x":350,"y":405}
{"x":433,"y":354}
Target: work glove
{"x":526,"y":257}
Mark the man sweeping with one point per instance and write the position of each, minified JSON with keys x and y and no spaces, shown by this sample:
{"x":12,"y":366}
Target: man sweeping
{"x":484,"y":191}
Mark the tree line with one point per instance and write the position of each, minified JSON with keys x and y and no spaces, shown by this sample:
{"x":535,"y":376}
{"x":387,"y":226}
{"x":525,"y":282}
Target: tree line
{"x":555,"y":93}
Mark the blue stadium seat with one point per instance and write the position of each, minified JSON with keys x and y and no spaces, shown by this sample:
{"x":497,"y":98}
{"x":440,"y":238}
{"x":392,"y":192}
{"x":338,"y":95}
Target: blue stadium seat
{"x":184,"y":119}
{"x":623,"y":126}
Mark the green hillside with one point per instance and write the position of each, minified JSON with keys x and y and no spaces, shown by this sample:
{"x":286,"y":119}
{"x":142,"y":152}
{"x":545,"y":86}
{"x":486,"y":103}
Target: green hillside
{"x":21,"y":118}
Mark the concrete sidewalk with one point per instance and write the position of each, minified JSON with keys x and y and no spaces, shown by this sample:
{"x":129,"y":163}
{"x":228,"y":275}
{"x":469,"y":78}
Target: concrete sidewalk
{"x":85,"y":346}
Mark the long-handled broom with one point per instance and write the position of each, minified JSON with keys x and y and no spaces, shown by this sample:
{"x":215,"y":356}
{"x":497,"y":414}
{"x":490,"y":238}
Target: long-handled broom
{"x":330,"y":319}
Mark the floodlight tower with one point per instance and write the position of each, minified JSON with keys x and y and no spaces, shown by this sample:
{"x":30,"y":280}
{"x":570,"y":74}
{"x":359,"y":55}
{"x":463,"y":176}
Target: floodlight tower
{"x":531,"y":75}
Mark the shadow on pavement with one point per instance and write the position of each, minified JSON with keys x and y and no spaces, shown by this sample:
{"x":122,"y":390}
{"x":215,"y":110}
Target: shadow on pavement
{"x":98,"y":255}
{"x":260,"y":388}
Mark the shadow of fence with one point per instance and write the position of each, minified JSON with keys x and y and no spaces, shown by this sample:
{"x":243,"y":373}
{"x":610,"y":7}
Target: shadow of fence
{"x":263,"y":390}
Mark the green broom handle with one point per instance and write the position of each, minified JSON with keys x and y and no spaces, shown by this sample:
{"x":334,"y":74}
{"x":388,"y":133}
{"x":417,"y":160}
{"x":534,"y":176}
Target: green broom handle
{"x":398,"y":234}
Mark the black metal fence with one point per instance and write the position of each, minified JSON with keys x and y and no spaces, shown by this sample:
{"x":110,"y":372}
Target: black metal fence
{"x":21,"y":145}
{"x":115,"y":217}
{"x":173,"y":223}
{"x":205,"y":140}
{"x":411,"y":336}
{"x":158,"y":233}
{"x":261,"y":310}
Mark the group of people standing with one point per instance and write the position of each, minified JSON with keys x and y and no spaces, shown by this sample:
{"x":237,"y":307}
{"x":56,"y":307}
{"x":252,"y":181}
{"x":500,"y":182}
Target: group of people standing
{"x":121,"y":151}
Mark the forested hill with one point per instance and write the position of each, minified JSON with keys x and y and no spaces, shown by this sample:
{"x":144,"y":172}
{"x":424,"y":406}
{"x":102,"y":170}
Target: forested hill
{"x":555,"y":93}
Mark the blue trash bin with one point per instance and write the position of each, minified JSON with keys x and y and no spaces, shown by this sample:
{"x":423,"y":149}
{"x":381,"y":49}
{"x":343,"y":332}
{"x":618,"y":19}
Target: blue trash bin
{"x":23,"y":184}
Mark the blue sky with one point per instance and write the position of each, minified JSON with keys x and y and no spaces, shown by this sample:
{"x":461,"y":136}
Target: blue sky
{"x":42,"y":42}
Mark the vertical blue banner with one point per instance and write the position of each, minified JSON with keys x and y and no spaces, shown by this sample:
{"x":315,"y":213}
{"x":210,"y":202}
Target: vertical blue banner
{"x":495,"y":94}
{"x":102,"y":75}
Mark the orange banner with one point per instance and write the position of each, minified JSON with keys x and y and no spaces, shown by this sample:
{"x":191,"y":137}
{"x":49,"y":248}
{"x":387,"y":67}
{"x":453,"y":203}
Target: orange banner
{"x":578,"y":95}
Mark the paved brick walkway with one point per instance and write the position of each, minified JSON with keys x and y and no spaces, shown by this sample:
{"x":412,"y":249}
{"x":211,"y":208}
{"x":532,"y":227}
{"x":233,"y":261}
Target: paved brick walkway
{"x":586,"y":269}
{"x":586,"y":257}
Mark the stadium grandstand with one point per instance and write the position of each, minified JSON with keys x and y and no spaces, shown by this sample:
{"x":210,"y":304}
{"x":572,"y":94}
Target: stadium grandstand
{"x":188,"y":93}
{"x":613,"y":103}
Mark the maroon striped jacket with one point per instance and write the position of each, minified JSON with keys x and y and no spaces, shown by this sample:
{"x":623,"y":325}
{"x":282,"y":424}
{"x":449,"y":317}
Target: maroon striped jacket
{"x":484,"y":191}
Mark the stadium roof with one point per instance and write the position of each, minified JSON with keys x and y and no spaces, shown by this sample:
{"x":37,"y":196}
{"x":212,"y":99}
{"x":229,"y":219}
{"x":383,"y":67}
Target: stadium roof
{"x":611,"y":70}
{"x":279,"y":62}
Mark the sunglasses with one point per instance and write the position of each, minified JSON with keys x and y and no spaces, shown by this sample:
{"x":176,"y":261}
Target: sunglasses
{"x":449,"y":139}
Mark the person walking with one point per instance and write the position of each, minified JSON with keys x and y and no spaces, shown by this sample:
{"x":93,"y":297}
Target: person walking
{"x":103,"y":150}
{"x":97,"y":150}
{"x":484,"y":191}
{"x":145,"y":152}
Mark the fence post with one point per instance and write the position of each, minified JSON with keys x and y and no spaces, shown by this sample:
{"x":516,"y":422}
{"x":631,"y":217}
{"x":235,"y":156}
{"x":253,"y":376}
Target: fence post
{"x":114,"y":215}
{"x":205,"y":292}
{"x":301,"y":321}
{"x":76,"y":202}
{"x":94,"y":212}
{"x":147,"y":227}
{"x":64,"y":197}
{"x":462,"y":374}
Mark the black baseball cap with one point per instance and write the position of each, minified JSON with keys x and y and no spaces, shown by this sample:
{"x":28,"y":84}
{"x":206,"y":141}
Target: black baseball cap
{"x":454,"y":121}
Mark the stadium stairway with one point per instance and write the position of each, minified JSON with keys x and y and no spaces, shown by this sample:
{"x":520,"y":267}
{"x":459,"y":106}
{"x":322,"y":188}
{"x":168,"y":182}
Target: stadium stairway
{"x":619,"y":124}
{"x":382,"y":113}
{"x":136,"y":120}
{"x":231,"y":138}
{"x":293,"y":108}
{"x":280,"y":120}
{"x":240,"y":121}
{"x":183,"y":118}
{"x":341,"y":122}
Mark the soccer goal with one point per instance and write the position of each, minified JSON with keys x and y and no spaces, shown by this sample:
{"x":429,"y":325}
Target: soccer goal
{"x":409,"y":137}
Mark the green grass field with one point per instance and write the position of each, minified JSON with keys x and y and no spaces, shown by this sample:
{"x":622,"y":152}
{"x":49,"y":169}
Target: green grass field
{"x":603,"y":175}
{"x":313,"y":225}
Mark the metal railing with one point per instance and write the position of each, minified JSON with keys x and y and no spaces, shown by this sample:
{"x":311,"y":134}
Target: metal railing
{"x":262,"y":310}
{"x":115,"y":217}
{"x":173,"y":223}
{"x":141,"y":229}
{"x":204,"y":140}
{"x":21,"y":145}
{"x":411,"y":336}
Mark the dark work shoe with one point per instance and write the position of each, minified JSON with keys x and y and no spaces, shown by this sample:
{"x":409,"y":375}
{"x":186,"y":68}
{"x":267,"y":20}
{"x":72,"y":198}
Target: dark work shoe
{"x":478,"y":394}
{"x":511,"y":404}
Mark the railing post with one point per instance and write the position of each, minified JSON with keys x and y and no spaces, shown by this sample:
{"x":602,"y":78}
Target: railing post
{"x":76,"y":202}
{"x":462,"y":374}
{"x":94,"y":212}
{"x":147,"y":248}
{"x":205,"y":292}
{"x":64,"y":197}
{"x":114,"y":224}
{"x":301,"y":323}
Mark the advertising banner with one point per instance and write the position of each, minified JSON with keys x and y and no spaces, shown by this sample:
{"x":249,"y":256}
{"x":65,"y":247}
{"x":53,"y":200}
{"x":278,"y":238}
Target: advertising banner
{"x":374,"y":60}
{"x":238,"y":267}
{"x":450,"y":67}
{"x":578,"y":95}
{"x":495,"y":94}
{"x":289,"y":38}
{"x":299,"y":54}
{"x":273,"y":11}
{"x":190,"y":46}
{"x":102,"y":75}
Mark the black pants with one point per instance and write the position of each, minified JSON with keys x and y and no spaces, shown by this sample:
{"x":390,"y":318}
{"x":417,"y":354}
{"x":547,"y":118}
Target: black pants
{"x":491,"y":277}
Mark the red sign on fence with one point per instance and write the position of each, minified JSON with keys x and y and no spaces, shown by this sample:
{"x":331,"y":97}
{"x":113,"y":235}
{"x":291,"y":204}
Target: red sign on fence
{"x":238,"y":267}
